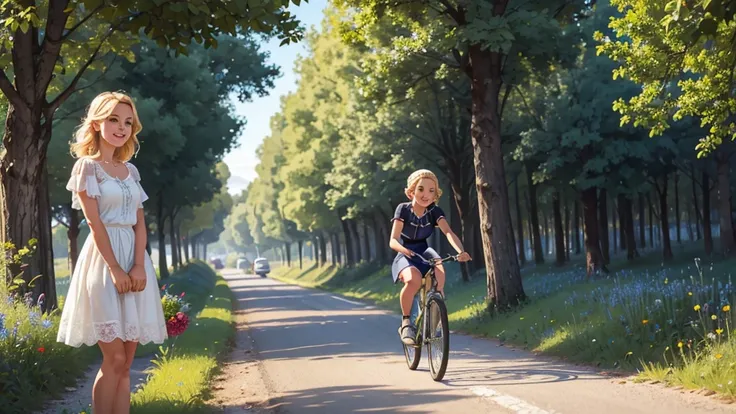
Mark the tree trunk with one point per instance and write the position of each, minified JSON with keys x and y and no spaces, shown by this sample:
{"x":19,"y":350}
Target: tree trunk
{"x":519,"y":224}
{"x":696,"y":204}
{"x":333,"y":245}
{"x":534,"y":217}
{"x":622,"y":224}
{"x":651,"y":221}
{"x":72,"y":235}
{"x":642,"y":225}
{"x":603,"y":225}
{"x":567,"y":231}
{"x":204,"y":251}
{"x":664,"y":220}
{"x":46,"y":284}
{"x":559,"y":233}
{"x":576,"y":226}
{"x":349,"y":257}
{"x":300,"y":246}
{"x":357,"y":245}
{"x":323,"y":251}
{"x":625,"y":206}
{"x":616,"y":229}
{"x":162,"y":266}
{"x":504,"y":285}
{"x":186,"y":248}
{"x":23,"y":176}
{"x":593,"y":255}
{"x":174,"y":244}
{"x":287,"y":253}
{"x":677,"y":208}
{"x":179,"y":246}
{"x":707,"y":226}
{"x":380,"y":242}
{"x":546,"y":232}
{"x":728,"y":244}
{"x":458,"y":215}
{"x":368,"y":255}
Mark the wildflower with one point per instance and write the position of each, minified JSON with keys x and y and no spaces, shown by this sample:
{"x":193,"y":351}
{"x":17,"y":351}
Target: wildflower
{"x":47,"y":324}
{"x":727,"y":308}
{"x":689,"y":293}
{"x":719,"y":331}
{"x":645,"y":321}
{"x":711,"y":335}
{"x":713,"y":317}
{"x":34,"y":317}
{"x":41,"y":349}
{"x":719,"y":356}
{"x":679,"y":344}
{"x":697,"y":308}
{"x":3,"y":334}
{"x":182,"y":295}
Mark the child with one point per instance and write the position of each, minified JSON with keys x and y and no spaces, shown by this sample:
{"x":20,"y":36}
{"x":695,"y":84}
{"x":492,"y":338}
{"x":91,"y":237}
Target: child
{"x":413,"y":223}
{"x":113,"y":298}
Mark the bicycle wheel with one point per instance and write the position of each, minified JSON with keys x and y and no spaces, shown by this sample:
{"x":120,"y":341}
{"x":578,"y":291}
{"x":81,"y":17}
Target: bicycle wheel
{"x":413,"y":354}
{"x":438,"y":338}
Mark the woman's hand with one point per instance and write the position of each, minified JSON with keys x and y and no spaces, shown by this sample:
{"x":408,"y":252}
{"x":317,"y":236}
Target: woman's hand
{"x":463,"y":257}
{"x":138,"y":278}
{"x":120,"y":279}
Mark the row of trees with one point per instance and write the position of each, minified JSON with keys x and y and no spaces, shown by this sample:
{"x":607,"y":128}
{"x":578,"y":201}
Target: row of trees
{"x":50,"y":50}
{"x":513,"y":106}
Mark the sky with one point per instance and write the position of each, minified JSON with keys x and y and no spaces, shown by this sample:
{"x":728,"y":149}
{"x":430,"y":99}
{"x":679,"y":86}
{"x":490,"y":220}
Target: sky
{"x":242,"y":160}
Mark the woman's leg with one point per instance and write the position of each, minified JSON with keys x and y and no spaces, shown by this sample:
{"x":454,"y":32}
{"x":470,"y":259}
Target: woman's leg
{"x":412,"y":283}
{"x":122,"y":393}
{"x":439,"y":270}
{"x":106,"y":382}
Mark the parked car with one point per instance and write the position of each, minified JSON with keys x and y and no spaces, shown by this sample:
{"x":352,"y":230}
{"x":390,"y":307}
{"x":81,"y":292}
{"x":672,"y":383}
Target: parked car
{"x":217,"y":263}
{"x":261,"y":267}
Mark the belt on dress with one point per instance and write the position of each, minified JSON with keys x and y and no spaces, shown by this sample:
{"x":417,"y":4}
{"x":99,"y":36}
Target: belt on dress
{"x":118,"y":225}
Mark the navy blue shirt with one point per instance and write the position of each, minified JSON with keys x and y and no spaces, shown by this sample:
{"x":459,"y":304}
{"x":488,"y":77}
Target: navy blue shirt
{"x":417,"y":229}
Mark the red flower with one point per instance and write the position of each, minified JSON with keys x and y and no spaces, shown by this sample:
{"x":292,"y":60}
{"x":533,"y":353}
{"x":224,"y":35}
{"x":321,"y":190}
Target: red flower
{"x":41,"y":349}
{"x":182,"y":295}
{"x":176,"y":325}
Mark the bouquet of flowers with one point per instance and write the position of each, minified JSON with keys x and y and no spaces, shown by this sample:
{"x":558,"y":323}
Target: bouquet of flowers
{"x":175,"y":312}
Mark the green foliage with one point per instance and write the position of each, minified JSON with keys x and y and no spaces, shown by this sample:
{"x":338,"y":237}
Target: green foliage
{"x":681,"y":73}
{"x":29,"y":353}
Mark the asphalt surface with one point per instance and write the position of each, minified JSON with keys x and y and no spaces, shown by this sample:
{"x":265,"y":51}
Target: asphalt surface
{"x":321,"y":353}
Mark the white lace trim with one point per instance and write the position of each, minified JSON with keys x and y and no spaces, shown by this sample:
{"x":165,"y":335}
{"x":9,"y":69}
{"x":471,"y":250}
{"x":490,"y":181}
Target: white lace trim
{"x":76,"y":334}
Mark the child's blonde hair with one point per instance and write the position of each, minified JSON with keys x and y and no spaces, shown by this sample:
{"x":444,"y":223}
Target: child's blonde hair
{"x":87,"y":140}
{"x":416,"y":177}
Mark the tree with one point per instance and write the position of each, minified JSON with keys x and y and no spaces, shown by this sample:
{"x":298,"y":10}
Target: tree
{"x":38,"y":42}
{"x":696,"y":79}
{"x":478,"y":38}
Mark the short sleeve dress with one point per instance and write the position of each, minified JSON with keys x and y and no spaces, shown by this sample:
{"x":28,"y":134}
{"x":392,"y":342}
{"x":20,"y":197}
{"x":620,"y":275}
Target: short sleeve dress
{"x":93,"y":309}
{"x":414,"y":237}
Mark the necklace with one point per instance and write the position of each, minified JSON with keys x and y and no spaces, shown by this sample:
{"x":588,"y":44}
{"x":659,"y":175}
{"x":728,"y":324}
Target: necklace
{"x":114,"y":164}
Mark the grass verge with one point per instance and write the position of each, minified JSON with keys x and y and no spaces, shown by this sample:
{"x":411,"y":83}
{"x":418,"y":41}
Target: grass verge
{"x":670,"y":323}
{"x":183,"y":367}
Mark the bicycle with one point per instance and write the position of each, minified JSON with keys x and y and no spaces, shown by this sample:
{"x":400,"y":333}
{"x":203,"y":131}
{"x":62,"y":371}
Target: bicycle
{"x":429,"y":298}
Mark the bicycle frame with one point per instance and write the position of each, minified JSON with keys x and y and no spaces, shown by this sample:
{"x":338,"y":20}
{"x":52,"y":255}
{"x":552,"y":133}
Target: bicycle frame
{"x":428,"y":290}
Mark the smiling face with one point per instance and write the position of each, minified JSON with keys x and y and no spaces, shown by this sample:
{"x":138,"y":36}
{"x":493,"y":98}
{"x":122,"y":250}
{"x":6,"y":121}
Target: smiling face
{"x":117,"y":128}
{"x":425,"y":192}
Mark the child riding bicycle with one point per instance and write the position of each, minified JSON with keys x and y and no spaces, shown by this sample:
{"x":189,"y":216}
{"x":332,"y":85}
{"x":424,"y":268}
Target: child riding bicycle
{"x":413,"y":224}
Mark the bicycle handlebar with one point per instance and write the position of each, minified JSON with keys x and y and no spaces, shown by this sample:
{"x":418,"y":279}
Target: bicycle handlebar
{"x":435,"y":262}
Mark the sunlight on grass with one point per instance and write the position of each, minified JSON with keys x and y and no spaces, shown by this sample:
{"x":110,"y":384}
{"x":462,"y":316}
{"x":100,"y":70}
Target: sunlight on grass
{"x":180,"y":379}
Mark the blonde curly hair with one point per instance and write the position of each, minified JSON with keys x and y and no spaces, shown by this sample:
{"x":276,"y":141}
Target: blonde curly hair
{"x":416,"y":177}
{"x":87,"y":140}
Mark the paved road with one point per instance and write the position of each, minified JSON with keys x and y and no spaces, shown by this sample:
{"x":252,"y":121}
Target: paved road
{"x":320,"y":353}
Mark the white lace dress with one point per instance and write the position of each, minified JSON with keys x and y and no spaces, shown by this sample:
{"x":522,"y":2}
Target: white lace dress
{"x":93,"y":310}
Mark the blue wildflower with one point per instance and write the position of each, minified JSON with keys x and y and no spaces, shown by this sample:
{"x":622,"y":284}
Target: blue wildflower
{"x":3,"y":334}
{"x":47,"y":324}
{"x":34,"y":317}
